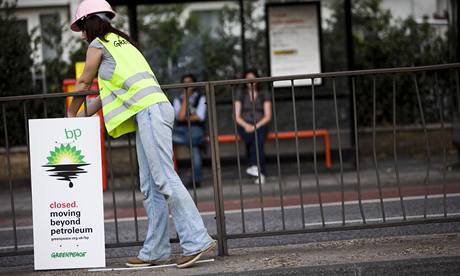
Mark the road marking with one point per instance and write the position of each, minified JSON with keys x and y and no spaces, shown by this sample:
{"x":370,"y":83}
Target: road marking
{"x":249,"y":210}
{"x":330,"y":204}
{"x":142,"y":268}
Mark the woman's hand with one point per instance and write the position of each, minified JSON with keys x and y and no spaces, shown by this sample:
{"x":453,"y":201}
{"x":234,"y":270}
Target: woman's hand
{"x":249,"y":128}
{"x":267,"y":114}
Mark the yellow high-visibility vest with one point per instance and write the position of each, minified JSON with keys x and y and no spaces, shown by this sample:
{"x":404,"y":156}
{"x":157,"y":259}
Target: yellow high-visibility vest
{"x":132,"y":86}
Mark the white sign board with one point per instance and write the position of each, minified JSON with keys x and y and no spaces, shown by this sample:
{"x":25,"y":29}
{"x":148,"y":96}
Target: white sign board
{"x":67,"y":202}
{"x":294,"y":41}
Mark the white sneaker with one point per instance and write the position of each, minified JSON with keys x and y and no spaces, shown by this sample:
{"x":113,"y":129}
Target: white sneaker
{"x":253,"y":170}
{"x":262,"y":180}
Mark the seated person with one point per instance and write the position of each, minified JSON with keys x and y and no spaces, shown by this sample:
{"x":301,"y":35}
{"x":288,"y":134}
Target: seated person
{"x":252,"y":123}
{"x":197,"y":116}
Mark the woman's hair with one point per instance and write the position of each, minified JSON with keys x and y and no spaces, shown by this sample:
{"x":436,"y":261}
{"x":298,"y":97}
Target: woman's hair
{"x":96,"y":27}
{"x":256,"y":85}
{"x":253,"y":71}
{"x":189,"y":75}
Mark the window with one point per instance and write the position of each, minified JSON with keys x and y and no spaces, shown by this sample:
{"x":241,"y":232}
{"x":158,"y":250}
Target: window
{"x":441,"y":9}
{"x":21,"y":25}
{"x":50,"y":32}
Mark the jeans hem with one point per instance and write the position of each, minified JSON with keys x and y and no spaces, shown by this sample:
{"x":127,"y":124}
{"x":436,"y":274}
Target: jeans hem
{"x":203,"y":248}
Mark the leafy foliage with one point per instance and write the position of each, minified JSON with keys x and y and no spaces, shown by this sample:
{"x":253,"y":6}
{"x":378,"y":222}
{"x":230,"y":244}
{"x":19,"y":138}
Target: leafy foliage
{"x":173,"y":47}
{"x":15,"y":54}
{"x":380,"y":41}
{"x":255,"y":37}
{"x":15,"y":65}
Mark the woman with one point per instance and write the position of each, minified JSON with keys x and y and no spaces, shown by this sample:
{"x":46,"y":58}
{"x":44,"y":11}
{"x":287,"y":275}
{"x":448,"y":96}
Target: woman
{"x":132,"y":100}
{"x":253,"y":112}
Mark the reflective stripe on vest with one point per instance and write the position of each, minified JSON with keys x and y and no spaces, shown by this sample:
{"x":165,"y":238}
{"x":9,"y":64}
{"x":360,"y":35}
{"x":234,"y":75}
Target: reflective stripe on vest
{"x":132,"y":87}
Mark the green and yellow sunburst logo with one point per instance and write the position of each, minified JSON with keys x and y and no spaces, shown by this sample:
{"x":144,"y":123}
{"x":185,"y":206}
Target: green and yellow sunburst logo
{"x":65,"y":154}
{"x":65,"y":163}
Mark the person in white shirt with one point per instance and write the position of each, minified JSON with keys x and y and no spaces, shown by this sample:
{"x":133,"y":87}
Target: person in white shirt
{"x":197,"y":116}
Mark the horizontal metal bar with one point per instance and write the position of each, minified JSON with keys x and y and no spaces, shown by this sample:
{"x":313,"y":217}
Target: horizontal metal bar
{"x":185,"y":85}
{"x":263,"y":79}
{"x":48,"y":96}
{"x":89,"y":92}
{"x":342,"y":74}
{"x":345,"y":228}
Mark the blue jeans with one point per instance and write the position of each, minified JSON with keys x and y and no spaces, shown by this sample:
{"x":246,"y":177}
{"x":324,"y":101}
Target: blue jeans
{"x":162,"y":187}
{"x":251,"y":149}
{"x":181,"y":136}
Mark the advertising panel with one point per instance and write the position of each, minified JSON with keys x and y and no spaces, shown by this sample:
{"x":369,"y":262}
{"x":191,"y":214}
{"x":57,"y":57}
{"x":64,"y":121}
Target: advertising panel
{"x":294,"y":41}
{"x":67,"y":201}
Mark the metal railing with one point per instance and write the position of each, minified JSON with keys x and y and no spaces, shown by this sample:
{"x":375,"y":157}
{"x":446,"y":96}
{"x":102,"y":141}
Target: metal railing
{"x":362,"y":189}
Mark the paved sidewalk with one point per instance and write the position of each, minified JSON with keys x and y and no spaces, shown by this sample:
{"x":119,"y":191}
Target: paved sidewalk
{"x":424,"y":253}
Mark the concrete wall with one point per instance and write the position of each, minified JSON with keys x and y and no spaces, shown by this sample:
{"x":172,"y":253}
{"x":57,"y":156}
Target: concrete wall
{"x":411,"y":145}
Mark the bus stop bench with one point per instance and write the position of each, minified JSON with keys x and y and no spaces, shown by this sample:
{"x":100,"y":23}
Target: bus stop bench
{"x":322,"y":133}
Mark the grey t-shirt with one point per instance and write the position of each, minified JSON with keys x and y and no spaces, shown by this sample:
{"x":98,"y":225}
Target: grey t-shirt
{"x":247,"y":107}
{"x":108,"y":63}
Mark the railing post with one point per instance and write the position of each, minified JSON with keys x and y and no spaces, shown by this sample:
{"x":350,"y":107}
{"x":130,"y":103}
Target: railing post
{"x":216,"y":171}
{"x":10,"y":176}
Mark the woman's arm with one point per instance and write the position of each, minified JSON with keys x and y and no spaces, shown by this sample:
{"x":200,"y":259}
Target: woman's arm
{"x":239,"y":120}
{"x":93,"y":60}
{"x":92,"y":107}
{"x":183,"y":108}
{"x":182,"y":116}
{"x":267,"y":114}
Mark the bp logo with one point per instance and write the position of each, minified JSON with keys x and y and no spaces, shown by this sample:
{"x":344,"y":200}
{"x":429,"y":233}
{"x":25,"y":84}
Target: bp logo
{"x":65,"y":163}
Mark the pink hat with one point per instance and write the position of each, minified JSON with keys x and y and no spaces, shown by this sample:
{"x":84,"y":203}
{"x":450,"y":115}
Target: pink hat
{"x":88,"y":7}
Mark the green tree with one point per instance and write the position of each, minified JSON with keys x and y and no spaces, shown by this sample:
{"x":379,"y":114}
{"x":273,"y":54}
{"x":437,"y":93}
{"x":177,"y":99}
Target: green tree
{"x":161,"y":37}
{"x":15,"y":54}
{"x":380,"y":41}
{"x":255,"y":37}
{"x":77,"y":54}
{"x":173,"y":47}
{"x":221,"y":51}
{"x":334,"y":39}
{"x":16,"y":78}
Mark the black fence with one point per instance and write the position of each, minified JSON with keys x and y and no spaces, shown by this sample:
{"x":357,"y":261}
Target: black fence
{"x":339,"y":154}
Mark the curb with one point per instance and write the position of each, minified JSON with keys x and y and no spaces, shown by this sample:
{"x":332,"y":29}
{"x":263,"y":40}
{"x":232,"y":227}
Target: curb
{"x":420,"y":266}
